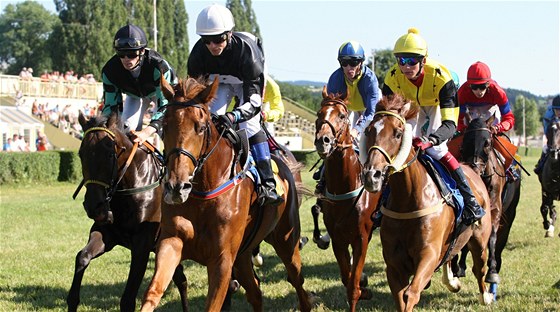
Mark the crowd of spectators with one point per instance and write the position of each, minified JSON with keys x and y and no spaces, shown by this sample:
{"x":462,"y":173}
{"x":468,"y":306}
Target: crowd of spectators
{"x":60,"y":84}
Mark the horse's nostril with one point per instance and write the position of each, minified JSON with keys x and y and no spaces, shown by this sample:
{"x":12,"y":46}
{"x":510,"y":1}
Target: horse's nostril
{"x":187,"y":186}
{"x":326,"y":140}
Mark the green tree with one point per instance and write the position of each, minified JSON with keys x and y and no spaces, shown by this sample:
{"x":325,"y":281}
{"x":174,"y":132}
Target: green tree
{"x":244,"y":16}
{"x":24,"y":31}
{"x":383,"y":60}
{"x":532,"y":120}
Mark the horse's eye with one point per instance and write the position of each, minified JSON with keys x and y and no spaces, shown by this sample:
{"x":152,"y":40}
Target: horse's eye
{"x":342,"y":116}
{"x":398,"y":135}
{"x":487,"y":142}
{"x":202,"y":129}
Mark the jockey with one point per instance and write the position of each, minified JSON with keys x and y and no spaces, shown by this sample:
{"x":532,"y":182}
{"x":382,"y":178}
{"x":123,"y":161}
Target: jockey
{"x":552,"y":112}
{"x":479,"y":95}
{"x":237,"y":59}
{"x":429,"y":84}
{"x":359,"y":81}
{"x":136,"y":71}
{"x":273,"y":107}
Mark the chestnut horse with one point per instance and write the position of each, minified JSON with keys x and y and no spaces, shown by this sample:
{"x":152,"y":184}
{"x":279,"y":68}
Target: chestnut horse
{"x":123,"y":197}
{"x":417,"y":228}
{"x":210,"y":212}
{"x":478,"y":151}
{"x":549,"y":177}
{"x":346,"y":208}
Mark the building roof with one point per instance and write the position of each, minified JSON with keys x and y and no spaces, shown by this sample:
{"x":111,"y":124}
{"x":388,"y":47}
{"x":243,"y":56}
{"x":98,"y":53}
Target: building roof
{"x":11,"y":115}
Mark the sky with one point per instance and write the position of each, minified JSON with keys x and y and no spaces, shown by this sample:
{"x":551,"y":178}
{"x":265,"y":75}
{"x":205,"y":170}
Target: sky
{"x":519,"y":40}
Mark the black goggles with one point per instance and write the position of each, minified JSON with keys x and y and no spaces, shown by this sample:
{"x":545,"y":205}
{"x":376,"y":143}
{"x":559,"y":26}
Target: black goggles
{"x":216,"y":39}
{"x":127,"y":43}
{"x":129,"y":54}
{"x":481,"y":86}
{"x":353,"y":63}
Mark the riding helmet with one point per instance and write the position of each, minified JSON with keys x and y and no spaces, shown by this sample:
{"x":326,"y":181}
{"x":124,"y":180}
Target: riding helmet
{"x":214,"y":20}
{"x":351,"y":50}
{"x":130,"y":37}
{"x":479,"y":73}
{"x":411,"y":44}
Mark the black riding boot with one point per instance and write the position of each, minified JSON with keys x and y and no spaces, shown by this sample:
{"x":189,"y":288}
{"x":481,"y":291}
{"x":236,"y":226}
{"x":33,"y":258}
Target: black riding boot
{"x":472,"y":212}
{"x":320,"y":178}
{"x":540,"y":164}
{"x":267,"y":192}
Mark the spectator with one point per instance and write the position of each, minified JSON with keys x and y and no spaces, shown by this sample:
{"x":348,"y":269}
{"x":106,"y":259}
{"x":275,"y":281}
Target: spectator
{"x":41,"y":143}
{"x":7,"y":147}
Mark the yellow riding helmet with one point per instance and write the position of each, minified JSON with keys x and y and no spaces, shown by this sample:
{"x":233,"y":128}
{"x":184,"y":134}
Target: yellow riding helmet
{"x":411,"y":43}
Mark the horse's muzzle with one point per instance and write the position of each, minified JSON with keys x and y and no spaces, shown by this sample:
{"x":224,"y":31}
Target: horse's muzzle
{"x":176,"y":193}
{"x":373,"y":180}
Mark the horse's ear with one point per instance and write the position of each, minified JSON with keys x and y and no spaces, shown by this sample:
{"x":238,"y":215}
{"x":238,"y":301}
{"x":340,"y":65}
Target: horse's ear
{"x":325,"y":94}
{"x":468,"y":117}
{"x":167,"y":89}
{"x":82,"y":120}
{"x":405,"y":108}
{"x":490,"y":120}
{"x":113,"y":119}
{"x":213,"y":89}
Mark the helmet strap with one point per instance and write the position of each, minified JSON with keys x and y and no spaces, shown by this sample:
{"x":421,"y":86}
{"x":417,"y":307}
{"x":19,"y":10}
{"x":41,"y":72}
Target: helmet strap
{"x":420,"y":68}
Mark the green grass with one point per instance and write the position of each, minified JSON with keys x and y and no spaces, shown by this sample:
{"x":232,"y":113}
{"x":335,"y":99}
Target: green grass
{"x":42,"y":229}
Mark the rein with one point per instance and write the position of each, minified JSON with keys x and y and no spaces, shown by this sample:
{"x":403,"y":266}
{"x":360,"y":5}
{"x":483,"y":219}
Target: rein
{"x":337,"y":134}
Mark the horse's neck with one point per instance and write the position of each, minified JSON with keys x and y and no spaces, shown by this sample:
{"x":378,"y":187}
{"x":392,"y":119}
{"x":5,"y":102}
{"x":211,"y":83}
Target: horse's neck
{"x":408,"y":187}
{"x":216,"y":169}
{"x":342,"y":170}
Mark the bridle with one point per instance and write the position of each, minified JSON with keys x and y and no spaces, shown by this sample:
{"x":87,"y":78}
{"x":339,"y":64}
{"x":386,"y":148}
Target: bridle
{"x":337,"y":143}
{"x":197,"y":162}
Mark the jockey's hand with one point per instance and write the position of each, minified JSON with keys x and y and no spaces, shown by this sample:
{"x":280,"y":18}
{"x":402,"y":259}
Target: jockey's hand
{"x":354,"y":133}
{"x":226,"y":119}
{"x":422,"y":142}
{"x":142,"y":135}
{"x":495,"y":129}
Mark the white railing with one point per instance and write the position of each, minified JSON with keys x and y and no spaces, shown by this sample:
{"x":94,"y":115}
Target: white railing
{"x":15,"y":86}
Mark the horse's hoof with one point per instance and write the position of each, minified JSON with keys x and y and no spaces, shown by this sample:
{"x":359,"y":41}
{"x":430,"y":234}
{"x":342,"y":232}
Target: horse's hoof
{"x":366,"y":294}
{"x":493,"y":278}
{"x":549,"y":232}
{"x":460,"y":273}
{"x":363,"y":280}
{"x":303,"y":241}
{"x":257,"y":260}
{"x":234,"y":286}
{"x":486,"y":298}
{"x":323,"y":242}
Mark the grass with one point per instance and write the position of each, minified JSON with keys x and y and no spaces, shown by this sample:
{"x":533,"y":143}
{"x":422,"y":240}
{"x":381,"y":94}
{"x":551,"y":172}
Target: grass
{"x":42,"y":229}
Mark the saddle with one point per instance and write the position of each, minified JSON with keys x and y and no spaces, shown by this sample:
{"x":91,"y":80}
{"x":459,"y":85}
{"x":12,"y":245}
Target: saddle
{"x":445,"y":183}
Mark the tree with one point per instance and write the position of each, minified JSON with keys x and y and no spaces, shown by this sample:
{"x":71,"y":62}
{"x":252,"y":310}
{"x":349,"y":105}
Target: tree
{"x":24,"y":31}
{"x":382,"y":60}
{"x":532,"y":120}
{"x":244,"y":16}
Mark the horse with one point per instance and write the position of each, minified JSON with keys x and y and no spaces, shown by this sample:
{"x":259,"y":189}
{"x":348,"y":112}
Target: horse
{"x":210,"y":212}
{"x":123,"y":196}
{"x":347,"y":210}
{"x":418,"y":225}
{"x":478,"y":150}
{"x":549,"y":177}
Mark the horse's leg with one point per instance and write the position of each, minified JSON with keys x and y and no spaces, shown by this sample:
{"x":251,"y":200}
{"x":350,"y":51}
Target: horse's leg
{"x":492,"y":275}
{"x":321,"y":241}
{"x":459,"y":263}
{"x":342,"y":255}
{"x":95,"y":247}
{"x":552,"y":217}
{"x":168,"y":255}
{"x":219,"y":276}
{"x":546,"y":207}
{"x":398,"y":282}
{"x":287,"y":249}
{"x":353,"y":290}
{"x":245,"y":275}
{"x":180,"y":280}
{"x":477,"y":246}
{"x":142,"y":245}
{"x":422,"y":277}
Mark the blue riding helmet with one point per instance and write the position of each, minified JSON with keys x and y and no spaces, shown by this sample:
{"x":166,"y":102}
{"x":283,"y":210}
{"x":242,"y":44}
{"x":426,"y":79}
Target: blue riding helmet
{"x":351,"y":50}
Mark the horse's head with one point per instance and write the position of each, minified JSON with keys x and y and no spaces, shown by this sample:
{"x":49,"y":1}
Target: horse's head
{"x":477,"y":143}
{"x":101,"y":145}
{"x":553,"y":138}
{"x":332,"y":125}
{"x":386,"y":142}
{"x":187,"y":125}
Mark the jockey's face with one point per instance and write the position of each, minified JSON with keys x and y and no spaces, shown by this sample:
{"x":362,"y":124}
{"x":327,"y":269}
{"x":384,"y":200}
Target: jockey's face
{"x":411,"y":69}
{"x":130,"y":59}
{"x":216,"y":43}
{"x":479,"y":90}
{"x":556,"y":112}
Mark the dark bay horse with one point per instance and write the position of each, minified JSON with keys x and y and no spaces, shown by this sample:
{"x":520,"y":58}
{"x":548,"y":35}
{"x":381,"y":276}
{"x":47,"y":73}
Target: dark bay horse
{"x":417,"y":225}
{"x":210,"y":211}
{"x":549,"y":177}
{"x":346,"y":208}
{"x":478,"y":150}
{"x":123,"y":197}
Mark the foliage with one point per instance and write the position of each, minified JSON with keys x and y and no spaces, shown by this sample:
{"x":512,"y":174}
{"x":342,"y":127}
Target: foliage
{"x":244,"y":16}
{"x":383,"y":60}
{"x":40,"y":167}
{"x":301,"y":94}
{"x":25,"y":29}
{"x":532,"y":118}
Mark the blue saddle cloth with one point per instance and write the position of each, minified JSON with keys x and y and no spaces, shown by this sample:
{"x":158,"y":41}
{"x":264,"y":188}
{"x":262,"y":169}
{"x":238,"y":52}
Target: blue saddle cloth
{"x":445,"y":182}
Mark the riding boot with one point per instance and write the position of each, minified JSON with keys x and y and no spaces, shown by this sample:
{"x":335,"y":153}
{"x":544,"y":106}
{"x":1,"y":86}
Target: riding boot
{"x":540,"y":164}
{"x":472,"y":211}
{"x":320,"y":178}
{"x":267,"y":192}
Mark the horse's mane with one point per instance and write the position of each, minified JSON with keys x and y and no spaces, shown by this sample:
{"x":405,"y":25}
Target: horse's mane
{"x":397,"y":103}
{"x":477,"y":123}
{"x":112,"y":122}
{"x":189,"y":88}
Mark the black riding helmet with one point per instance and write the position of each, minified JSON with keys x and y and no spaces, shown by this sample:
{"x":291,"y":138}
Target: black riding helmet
{"x":130,"y":38}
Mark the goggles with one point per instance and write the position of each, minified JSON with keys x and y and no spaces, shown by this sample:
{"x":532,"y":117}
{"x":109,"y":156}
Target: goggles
{"x":481,"y":86}
{"x":216,"y":39}
{"x":410,"y":61}
{"x":127,"y":43}
{"x":353,"y":63}
{"x":129,"y":54}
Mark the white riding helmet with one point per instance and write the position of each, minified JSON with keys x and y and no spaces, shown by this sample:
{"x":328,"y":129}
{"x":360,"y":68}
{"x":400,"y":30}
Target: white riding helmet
{"x":214,"y":20}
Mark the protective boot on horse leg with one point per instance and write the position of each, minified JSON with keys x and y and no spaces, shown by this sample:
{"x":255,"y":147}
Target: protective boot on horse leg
{"x":261,"y":155}
{"x":472,"y":208}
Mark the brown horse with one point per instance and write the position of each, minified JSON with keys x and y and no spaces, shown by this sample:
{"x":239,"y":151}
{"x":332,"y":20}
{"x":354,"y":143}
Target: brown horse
{"x":418,"y":225}
{"x":478,"y":151}
{"x":549,"y":176}
{"x":347,"y":209}
{"x":210,"y":210}
{"x":123,"y":196}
